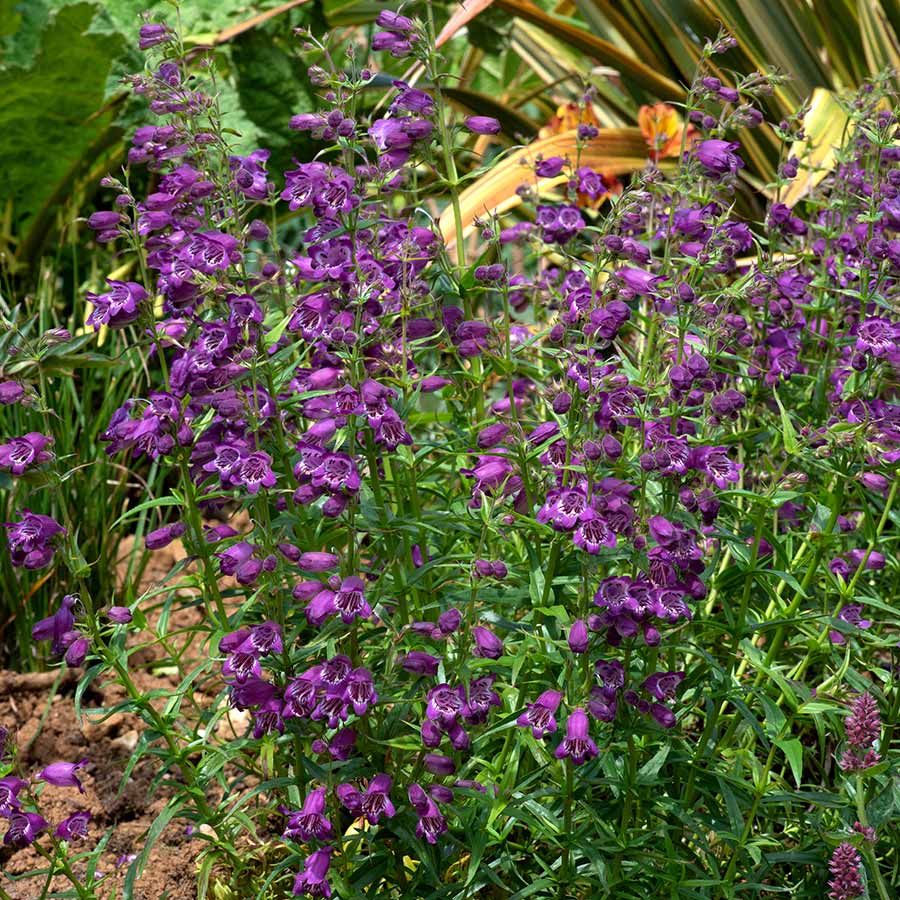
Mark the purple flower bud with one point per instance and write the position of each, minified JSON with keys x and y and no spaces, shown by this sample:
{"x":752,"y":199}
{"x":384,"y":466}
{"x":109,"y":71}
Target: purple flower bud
{"x":153,"y":34}
{"x":77,"y":652}
{"x":441,"y":793}
{"x":492,"y":435}
{"x":562,"y":402}
{"x":448,"y":621}
{"x":482,"y":125}
{"x":419,"y":663}
{"x":578,"y":637}
{"x":392,"y":21}
{"x":11,"y":392}
{"x":119,"y":615}
{"x":164,"y":536}
{"x":432,"y":383}
{"x":439,"y":765}
{"x":318,"y":562}
{"x":487,"y":644}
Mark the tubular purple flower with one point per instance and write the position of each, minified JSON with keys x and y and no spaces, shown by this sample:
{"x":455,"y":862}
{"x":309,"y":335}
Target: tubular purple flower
{"x":74,"y":827}
{"x":77,"y":651}
{"x":376,"y":801}
{"x":23,"y":828}
{"x":449,"y":621}
{"x":540,"y":715}
{"x":350,"y":600}
{"x":431,"y":821}
{"x":31,"y":539}
{"x":152,"y":34}
{"x":62,"y":774}
{"x":577,"y":744}
{"x":23,"y":452}
{"x":9,"y":791}
{"x":10,"y":392}
{"x":439,"y":765}
{"x":313,"y":879}
{"x":55,"y":628}
{"x":392,"y":21}
{"x":718,"y":157}
{"x":310,"y":821}
{"x":318,"y":561}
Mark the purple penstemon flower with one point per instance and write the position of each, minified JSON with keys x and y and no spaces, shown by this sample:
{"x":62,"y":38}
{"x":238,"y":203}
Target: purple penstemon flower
{"x":10,"y":786}
{"x":24,"y":452}
{"x":431,"y":822}
{"x":373,"y":803}
{"x":350,"y":600}
{"x":718,"y":157}
{"x":313,"y":879}
{"x":23,"y":828}
{"x":359,"y":691}
{"x":540,"y":716}
{"x":31,"y":539}
{"x":63,"y":774}
{"x":254,"y":472}
{"x":577,"y":744}
{"x":119,"y":306}
{"x":74,"y":827}
{"x":58,"y":627}
{"x":310,"y":822}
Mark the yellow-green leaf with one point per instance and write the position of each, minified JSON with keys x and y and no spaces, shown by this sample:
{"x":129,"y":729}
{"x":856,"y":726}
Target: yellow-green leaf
{"x":615,"y":151}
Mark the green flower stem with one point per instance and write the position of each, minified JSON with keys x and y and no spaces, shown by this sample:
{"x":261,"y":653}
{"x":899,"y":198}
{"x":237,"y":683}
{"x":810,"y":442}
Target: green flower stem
{"x":812,"y":570}
{"x":847,"y":592}
{"x":452,"y":177}
{"x":58,"y":858}
{"x":867,"y":850}
{"x":566,"y":880}
{"x":202,"y":546}
{"x":761,"y":786}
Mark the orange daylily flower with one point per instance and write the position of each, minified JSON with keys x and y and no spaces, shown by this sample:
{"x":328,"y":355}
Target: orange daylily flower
{"x":661,"y":126}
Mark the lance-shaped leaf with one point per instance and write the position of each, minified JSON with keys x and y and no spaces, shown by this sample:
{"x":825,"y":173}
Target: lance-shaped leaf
{"x":879,"y":40}
{"x":615,"y":151}
{"x":825,"y":125}
{"x":603,"y":51}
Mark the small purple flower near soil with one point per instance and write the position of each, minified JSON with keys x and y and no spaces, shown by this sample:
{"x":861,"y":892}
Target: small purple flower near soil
{"x":63,"y":774}
{"x":74,"y":827}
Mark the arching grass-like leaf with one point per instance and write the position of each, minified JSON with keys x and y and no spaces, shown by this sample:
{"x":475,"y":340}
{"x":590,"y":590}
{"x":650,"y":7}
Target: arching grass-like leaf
{"x":615,"y":151}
